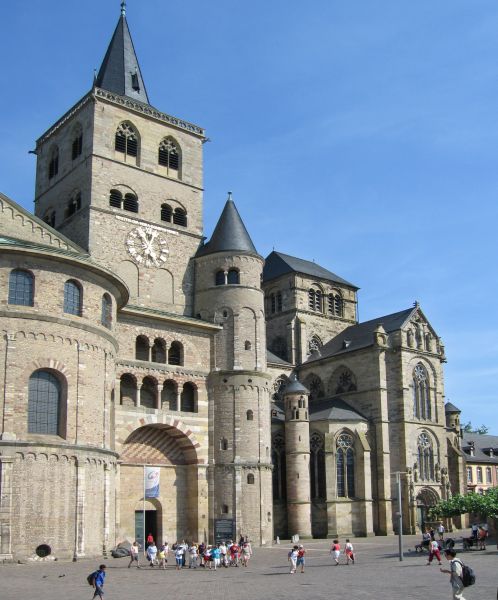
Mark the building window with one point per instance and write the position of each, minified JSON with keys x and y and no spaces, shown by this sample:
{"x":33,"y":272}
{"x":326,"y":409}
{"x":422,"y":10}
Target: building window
{"x":273,"y":303}
{"x":158,"y":352}
{"x":250,"y":415}
{"x":279,"y":302}
{"x":233,"y":276}
{"x":21,"y":287}
{"x":345,"y":466}
{"x":77,"y":145}
{"x":488,"y":475}
{"x":169,"y":155}
{"x":470,"y":477}
{"x":187,"y":398}
{"x":425,"y":457}
{"x":115,"y":199}
{"x":315,"y":385}
{"x":247,"y":345}
{"x":106,"y":314}
{"x":142,"y":348}
{"x":166,"y":213}
{"x":169,"y":395}
{"x":49,"y":218}
{"x":279,"y":467}
{"x":225,"y":509}
{"x":314,"y":345}
{"x":74,"y":204}
{"x":53,"y":164}
{"x":180,"y":217}
{"x":336,"y":305}
{"x":479,"y":474}
{"x":130,"y":203}
{"x":219,"y":278}
{"x":73,"y":298}
{"x":343,"y":380}
{"x":126,"y":140}
{"x":421,"y":393}
{"x":250,"y":479}
{"x":317,"y":466}
{"x":315,"y":300}
{"x":175,"y":354}
{"x":44,"y":403}
{"x":223,"y":444}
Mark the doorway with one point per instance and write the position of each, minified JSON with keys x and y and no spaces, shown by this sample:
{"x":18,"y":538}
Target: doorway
{"x":150,"y":526}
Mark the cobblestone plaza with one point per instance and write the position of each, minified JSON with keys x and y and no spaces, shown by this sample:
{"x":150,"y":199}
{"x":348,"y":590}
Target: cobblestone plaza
{"x":378,"y":573}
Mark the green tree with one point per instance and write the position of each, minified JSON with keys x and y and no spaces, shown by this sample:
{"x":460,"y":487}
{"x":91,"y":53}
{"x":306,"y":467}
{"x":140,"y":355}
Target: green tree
{"x":485,"y":505}
{"x":469,"y":428}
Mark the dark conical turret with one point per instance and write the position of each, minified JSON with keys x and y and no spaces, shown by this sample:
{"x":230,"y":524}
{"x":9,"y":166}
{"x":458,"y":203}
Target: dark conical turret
{"x":230,"y":233}
{"x":120,"y":72}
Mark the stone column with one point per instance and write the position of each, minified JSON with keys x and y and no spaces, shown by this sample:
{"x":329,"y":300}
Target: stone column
{"x":117,"y":391}
{"x":236,"y":342}
{"x":6,"y":468}
{"x":159,"y":390}
{"x":178,"y":398}
{"x":79,"y":542}
{"x":105,"y":545}
{"x":7,"y":398}
{"x":137,"y":399}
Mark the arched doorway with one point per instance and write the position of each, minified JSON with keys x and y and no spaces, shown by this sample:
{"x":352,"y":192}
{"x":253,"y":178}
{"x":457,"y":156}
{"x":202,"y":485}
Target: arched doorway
{"x":426,"y":498}
{"x":173,"y":514}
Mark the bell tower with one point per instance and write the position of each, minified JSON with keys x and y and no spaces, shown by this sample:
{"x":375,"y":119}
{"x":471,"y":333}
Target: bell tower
{"x":124,"y":181}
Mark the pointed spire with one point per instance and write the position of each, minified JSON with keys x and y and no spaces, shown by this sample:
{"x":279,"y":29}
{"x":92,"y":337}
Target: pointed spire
{"x":120,"y":72}
{"x":230,"y":233}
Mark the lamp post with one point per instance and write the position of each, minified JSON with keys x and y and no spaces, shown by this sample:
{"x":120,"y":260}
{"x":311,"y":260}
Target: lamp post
{"x":399,"y":514}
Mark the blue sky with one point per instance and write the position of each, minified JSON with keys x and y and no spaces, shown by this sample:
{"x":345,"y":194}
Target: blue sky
{"x":362,"y":135}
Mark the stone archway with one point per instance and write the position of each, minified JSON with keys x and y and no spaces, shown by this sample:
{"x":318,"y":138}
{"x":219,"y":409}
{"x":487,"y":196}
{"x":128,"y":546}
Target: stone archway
{"x":170,"y":450}
{"x":426,"y":498}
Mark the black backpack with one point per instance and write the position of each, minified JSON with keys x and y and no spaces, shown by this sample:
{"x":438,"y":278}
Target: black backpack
{"x":468,"y":575}
{"x":91,"y":578}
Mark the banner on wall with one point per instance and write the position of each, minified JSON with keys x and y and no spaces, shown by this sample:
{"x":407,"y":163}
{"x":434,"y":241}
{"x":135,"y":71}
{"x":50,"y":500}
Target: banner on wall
{"x":151,"y":481}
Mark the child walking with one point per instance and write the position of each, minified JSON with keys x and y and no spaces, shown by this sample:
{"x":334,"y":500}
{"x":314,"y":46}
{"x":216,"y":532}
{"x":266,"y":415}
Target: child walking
{"x":335,"y":551}
{"x":349,"y":552}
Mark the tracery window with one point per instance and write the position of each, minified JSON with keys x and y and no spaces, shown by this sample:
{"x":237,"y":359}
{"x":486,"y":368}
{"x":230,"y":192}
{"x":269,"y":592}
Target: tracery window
{"x":421,"y":394}
{"x":315,"y":300}
{"x":21,"y":287}
{"x":315,"y":385}
{"x":169,"y":154}
{"x":106,"y":314}
{"x":278,"y":388}
{"x":44,"y":403}
{"x":317,"y":466}
{"x":345,"y":466}
{"x":343,"y":380}
{"x":126,"y":140}
{"x":73,"y":298}
{"x":315,"y":344}
{"x":279,"y":467}
{"x":425,"y":457}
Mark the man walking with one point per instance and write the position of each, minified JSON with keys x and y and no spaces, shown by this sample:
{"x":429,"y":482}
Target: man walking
{"x":98,"y":582}
{"x":134,"y":554}
{"x":455,"y":573}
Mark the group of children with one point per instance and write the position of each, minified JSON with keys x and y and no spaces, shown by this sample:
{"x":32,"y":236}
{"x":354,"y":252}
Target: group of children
{"x":223,"y":554}
{"x":296,"y":555}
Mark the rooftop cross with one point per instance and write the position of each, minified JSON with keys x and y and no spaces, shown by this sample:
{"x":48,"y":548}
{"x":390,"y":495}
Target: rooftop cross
{"x":123,"y":8}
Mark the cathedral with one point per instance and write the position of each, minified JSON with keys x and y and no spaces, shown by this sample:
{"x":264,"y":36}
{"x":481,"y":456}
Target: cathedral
{"x":133,"y":347}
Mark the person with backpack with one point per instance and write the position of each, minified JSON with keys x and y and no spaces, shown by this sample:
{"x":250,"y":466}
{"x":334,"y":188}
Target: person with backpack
{"x":461,"y":576}
{"x":96,"y":580}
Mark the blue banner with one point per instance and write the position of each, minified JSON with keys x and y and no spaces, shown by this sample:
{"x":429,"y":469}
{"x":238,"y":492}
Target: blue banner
{"x":151,"y":475}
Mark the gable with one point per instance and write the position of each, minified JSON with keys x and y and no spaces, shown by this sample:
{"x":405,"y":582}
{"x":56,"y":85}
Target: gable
{"x":16,"y":222}
{"x":418,"y":321}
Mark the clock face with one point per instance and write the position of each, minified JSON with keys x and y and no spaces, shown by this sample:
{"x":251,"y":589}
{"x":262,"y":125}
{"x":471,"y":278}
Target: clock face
{"x":147,"y":247}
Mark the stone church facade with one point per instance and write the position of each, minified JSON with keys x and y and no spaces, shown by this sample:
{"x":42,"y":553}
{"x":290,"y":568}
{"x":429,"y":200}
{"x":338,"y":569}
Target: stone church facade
{"x":128,"y":340}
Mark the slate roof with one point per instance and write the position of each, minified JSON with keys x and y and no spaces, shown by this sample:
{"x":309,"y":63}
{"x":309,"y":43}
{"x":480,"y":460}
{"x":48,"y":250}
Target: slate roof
{"x":120,"y":72}
{"x":229,"y":235}
{"x":451,"y":408}
{"x":294,"y":386}
{"x":361,"y":335}
{"x":276,"y":360}
{"x":328,"y":409}
{"x":481,"y":443}
{"x":277,"y":264}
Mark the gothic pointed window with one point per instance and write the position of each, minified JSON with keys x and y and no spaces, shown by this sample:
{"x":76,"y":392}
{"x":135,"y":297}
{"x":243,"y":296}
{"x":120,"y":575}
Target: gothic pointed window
{"x":317,"y":466}
{"x":315,"y":345}
{"x":343,"y":380}
{"x":53,"y":163}
{"x":126,"y":140}
{"x":279,"y":467}
{"x":425,"y":458}
{"x":73,"y":298}
{"x":166,"y":213}
{"x":345,"y":466}
{"x":169,"y":155}
{"x":315,"y":385}
{"x":115,"y":199}
{"x":77,"y":143}
{"x":180,"y":217}
{"x":422,"y":405}
{"x":44,"y":404}
{"x":21,"y":287}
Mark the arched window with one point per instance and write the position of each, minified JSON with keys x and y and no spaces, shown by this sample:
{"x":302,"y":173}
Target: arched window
{"x":317,"y":466}
{"x":77,"y":144}
{"x":250,"y":415}
{"x":142,"y":348}
{"x":130,"y":203}
{"x":250,"y":479}
{"x":148,"y":392}
{"x":166,"y":213}
{"x":106,"y":313}
{"x":224,"y":509}
{"x":421,"y":393}
{"x":345,"y":466}
{"x":49,"y":217}
{"x":315,"y":344}
{"x":115,"y":199}
{"x":187,"y":399}
{"x":128,"y":390}
{"x":169,"y":155}
{"x":73,"y":298}
{"x":233,"y":276}
{"x":126,"y":140}
{"x":336,"y":304}
{"x":169,"y":395}
{"x":247,"y":345}
{"x":272,"y":303}
{"x":315,"y":385}
{"x":279,"y":467}
{"x":53,"y":164}
{"x":425,"y":460}
{"x":279,"y":302}
{"x":343,"y":380}
{"x":44,"y":404}
{"x":223,"y":444}
{"x":74,"y":203}
{"x":158,"y":351}
{"x":175,"y":354}
{"x":180,"y":217}
{"x":219,"y":278}
{"x":21,"y":287}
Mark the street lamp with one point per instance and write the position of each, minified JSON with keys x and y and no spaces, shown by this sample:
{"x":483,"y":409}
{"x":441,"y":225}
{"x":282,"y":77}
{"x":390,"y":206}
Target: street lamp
{"x":399,"y":514}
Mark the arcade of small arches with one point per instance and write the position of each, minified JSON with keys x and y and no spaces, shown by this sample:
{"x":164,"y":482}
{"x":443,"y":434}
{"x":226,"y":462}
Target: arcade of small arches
{"x":159,"y":351}
{"x":149,"y":392}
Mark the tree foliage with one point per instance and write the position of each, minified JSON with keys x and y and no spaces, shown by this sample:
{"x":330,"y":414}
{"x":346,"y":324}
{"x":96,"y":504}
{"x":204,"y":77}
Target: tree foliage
{"x":485,"y":505}
{"x":469,"y":428}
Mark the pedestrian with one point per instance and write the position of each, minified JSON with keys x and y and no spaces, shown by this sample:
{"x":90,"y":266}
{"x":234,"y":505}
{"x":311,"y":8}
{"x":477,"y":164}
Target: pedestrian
{"x":440,"y":530}
{"x":292,"y":558}
{"x":455,"y":573}
{"x":134,"y":554}
{"x":98,"y":581}
{"x":162,"y":555}
{"x":202,"y":549}
{"x":335,"y":551}
{"x":193,"y":553}
{"x":475,"y":529}
{"x":300,"y":557}
{"x":150,"y":540}
{"x":152,"y":554}
{"x":234,"y":554}
{"x":224,"y":553}
{"x":179,"y":556}
{"x":349,"y":552}
{"x":207,"y":556}
{"x":481,"y":538}
{"x":434,"y":551}
{"x":246,"y":552}
{"x":215,"y":556}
